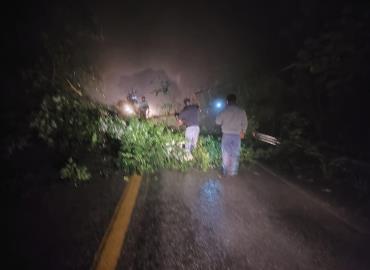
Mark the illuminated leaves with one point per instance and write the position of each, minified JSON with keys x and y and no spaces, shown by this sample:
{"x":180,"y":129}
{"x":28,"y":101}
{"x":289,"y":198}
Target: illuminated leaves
{"x":78,"y":127}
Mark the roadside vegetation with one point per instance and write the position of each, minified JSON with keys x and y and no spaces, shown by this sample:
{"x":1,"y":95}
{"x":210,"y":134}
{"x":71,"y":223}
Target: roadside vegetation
{"x":77,"y":127}
{"x":317,"y":106}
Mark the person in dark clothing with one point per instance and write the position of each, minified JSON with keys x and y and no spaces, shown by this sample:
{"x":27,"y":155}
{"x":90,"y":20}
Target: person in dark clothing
{"x":143,"y":108}
{"x":189,"y":116}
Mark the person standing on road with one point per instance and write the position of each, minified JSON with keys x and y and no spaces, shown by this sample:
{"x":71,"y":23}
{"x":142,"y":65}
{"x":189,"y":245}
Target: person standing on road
{"x":189,"y":116}
{"x":234,"y":123}
{"x":143,"y":108}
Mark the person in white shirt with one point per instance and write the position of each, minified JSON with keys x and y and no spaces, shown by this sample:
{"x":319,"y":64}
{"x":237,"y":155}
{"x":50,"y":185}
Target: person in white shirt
{"x":234,"y":123}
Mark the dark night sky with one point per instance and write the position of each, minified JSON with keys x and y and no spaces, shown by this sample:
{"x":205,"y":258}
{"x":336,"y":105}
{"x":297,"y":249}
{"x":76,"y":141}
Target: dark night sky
{"x":200,"y":42}
{"x":197,"y":42}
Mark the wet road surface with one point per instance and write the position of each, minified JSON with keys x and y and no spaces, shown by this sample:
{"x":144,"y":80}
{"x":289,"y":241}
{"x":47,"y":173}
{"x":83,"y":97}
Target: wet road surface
{"x":198,"y":220}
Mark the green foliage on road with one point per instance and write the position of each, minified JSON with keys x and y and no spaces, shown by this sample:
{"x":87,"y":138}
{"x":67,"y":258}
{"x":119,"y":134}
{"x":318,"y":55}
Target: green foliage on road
{"x":208,"y":149}
{"x":73,"y":171}
{"x":77,"y":127}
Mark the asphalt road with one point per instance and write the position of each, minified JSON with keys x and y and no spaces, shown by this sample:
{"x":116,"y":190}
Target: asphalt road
{"x":198,"y":220}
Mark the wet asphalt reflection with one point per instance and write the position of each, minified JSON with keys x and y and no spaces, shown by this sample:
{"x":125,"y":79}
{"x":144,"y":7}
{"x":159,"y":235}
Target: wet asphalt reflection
{"x":197,"y":220}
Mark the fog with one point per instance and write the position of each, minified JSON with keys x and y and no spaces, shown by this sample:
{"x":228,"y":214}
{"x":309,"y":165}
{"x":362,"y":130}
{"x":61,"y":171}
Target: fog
{"x":192,"y":46}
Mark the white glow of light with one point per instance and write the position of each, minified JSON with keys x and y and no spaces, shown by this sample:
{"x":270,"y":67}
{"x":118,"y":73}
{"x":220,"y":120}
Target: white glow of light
{"x":128,"y":109}
{"x":152,"y":110}
{"x":218,"y":104}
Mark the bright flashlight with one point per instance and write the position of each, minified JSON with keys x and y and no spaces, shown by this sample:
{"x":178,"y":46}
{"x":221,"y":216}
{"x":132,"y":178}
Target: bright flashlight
{"x":128,"y":109}
{"x":218,"y":104}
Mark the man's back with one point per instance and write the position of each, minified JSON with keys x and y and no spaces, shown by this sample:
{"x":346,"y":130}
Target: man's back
{"x":233,"y":120}
{"x":189,"y":115}
{"x":144,"y":105}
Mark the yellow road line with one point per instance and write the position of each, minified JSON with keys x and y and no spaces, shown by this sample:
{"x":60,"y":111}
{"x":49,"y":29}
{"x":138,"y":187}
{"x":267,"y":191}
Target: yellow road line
{"x":110,"y":248}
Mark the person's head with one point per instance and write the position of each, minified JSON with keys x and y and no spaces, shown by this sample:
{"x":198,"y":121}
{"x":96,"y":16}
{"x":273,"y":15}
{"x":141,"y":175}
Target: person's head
{"x":143,"y":98}
{"x":187,"y":101}
{"x":231,"y":99}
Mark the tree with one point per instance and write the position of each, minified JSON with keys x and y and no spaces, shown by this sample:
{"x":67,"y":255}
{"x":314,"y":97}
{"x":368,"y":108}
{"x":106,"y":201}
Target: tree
{"x":330,"y":76}
{"x":51,"y":51}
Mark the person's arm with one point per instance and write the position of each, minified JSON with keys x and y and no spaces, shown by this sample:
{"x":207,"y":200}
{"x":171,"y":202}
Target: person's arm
{"x":244,"y":124}
{"x":180,"y":118}
{"x":219,"y":118}
{"x":147,"y":108}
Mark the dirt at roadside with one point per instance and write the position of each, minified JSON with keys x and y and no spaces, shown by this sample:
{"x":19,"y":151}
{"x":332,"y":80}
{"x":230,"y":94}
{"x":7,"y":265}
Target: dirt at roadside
{"x":340,"y":191}
{"x":53,"y":224}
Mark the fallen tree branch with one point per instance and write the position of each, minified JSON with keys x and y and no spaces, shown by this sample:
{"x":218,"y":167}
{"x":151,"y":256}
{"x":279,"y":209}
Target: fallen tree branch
{"x":74,"y":88}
